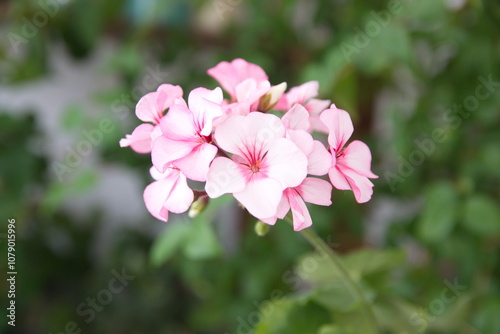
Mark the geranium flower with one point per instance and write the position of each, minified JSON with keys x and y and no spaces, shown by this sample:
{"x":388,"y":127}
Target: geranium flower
{"x":350,"y":169}
{"x":169,"y":193}
{"x":304,"y":95}
{"x":151,"y":108}
{"x":187,"y":134}
{"x":312,"y":190}
{"x":230,"y":75}
{"x":263,"y":163}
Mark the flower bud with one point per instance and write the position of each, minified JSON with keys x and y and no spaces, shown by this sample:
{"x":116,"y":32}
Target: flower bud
{"x":269,"y":100}
{"x":198,"y":206}
{"x":261,"y":228}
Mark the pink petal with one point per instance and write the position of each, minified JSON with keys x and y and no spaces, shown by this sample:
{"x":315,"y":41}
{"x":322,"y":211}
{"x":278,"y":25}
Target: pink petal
{"x":181,"y":102}
{"x":361,"y":185}
{"x":250,"y":90}
{"x":282,"y":104}
{"x":338,"y":179}
{"x":255,"y":132}
{"x":319,"y":160}
{"x":357,"y":156}
{"x":297,"y":118}
{"x":195,"y":165}
{"x":166,"y":150}
{"x":156,"y":133}
{"x":339,"y":125}
{"x":181,"y":197}
{"x":269,"y":221}
{"x":224,"y":177}
{"x":155,"y":196}
{"x":315,"y":107}
{"x":140,"y":139}
{"x":205,"y":105}
{"x":315,"y":191}
{"x":286,"y":163}
{"x":261,"y":197}
{"x":302,"y":93}
{"x":155,"y":174}
{"x":283,"y":206}
{"x":151,"y":106}
{"x":300,"y":213}
{"x":229,"y":75}
{"x":302,"y":139}
{"x":179,"y":124}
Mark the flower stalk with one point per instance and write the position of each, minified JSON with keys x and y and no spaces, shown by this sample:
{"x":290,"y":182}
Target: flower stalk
{"x":335,"y":260}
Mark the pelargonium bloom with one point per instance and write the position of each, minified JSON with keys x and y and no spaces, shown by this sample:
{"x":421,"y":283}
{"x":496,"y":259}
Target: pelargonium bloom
{"x":186,"y":142}
{"x":151,"y":108}
{"x":169,"y":193}
{"x":351,"y":166}
{"x":304,"y":95}
{"x":230,"y":75}
{"x":248,"y":86}
{"x":263,"y":163}
{"x":312,"y":190}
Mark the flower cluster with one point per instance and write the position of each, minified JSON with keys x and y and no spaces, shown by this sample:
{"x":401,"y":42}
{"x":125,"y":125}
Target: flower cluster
{"x":269,"y":161}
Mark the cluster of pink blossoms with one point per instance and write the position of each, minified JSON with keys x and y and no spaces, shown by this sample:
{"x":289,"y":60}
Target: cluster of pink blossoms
{"x":270,"y":164}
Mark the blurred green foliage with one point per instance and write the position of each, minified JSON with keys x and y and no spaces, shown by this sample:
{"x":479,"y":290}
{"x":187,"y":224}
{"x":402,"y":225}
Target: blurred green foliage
{"x":407,"y":71}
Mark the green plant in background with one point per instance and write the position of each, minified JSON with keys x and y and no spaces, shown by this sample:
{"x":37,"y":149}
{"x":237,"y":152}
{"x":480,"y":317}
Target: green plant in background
{"x":405,"y":85}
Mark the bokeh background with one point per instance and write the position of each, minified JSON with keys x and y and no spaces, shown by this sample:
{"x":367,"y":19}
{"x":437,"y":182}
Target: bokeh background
{"x":421,"y":80}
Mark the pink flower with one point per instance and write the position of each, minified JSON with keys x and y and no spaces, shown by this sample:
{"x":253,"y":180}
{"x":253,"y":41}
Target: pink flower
{"x":303,"y":95}
{"x":151,"y":108}
{"x":312,"y":190}
{"x":263,"y":163}
{"x":187,"y":134}
{"x":169,"y":193}
{"x":230,"y":75}
{"x":350,"y":168}
{"x":296,"y":121}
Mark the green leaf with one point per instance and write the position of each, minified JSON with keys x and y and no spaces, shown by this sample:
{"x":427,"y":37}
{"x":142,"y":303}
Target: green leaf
{"x":202,"y":242}
{"x":439,"y":214}
{"x":486,"y":319}
{"x":482,"y":216}
{"x":335,"y":296}
{"x":291,"y":316}
{"x":195,"y":237}
{"x":368,"y":261}
{"x":169,"y":242}
{"x":317,"y":268}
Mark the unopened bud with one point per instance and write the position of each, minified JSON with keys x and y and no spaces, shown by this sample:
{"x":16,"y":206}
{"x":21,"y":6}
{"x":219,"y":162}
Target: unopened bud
{"x":261,"y":228}
{"x":269,"y":100}
{"x":198,"y":206}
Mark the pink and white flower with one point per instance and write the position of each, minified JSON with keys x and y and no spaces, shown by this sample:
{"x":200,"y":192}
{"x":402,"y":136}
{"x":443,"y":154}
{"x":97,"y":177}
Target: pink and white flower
{"x":271,"y":165}
{"x":186,"y":142}
{"x":262,"y":166}
{"x":230,"y":75}
{"x":151,"y":108}
{"x":304,"y":95}
{"x":169,"y":193}
{"x":351,"y":166}
{"x":312,"y":190}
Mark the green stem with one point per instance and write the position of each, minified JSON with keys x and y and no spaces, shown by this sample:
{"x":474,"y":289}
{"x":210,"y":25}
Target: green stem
{"x":336,"y":261}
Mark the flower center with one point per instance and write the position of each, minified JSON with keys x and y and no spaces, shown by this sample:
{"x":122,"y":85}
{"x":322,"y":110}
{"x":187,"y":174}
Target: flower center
{"x":255,"y":167}
{"x":205,"y":139}
{"x":340,"y":153}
